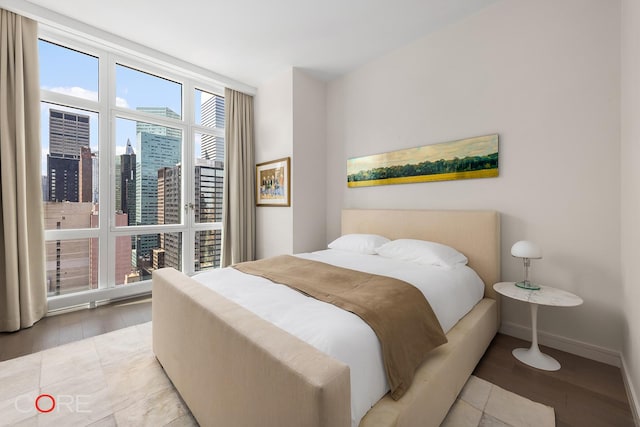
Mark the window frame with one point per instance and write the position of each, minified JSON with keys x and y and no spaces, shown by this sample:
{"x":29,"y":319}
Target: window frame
{"x":109,"y":55}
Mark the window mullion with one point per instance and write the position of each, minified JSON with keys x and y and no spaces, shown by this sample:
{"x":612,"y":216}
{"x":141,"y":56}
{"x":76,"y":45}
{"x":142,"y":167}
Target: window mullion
{"x":129,"y":114}
{"x":107,"y":192}
{"x":187,"y":181}
{"x":68,"y":100}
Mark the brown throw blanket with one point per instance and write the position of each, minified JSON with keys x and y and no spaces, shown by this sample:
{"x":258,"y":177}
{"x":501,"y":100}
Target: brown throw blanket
{"x":397,"y":312}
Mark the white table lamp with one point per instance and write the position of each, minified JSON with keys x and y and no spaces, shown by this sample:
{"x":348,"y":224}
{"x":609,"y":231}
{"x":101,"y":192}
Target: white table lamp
{"x":527,"y":251}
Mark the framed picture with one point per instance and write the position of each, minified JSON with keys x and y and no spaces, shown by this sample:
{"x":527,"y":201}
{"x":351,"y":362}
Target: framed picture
{"x":475,"y":157}
{"x":273,"y":183}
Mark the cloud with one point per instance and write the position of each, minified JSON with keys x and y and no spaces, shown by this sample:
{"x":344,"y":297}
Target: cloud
{"x":76,"y":91}
{"x":121,"y":102}
{"x":83,"y":93}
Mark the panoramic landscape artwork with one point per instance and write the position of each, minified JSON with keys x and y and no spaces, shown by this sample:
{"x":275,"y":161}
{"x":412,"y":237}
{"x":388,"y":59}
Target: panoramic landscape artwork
{"x":475,"y":157}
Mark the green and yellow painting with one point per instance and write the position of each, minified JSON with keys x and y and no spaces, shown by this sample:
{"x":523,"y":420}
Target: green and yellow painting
{"x":463,"y":159}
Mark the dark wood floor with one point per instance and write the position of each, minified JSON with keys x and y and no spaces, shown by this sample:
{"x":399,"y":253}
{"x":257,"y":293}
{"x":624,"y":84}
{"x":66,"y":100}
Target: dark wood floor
{"x":60,"y":329}
{"x":583,"y":393}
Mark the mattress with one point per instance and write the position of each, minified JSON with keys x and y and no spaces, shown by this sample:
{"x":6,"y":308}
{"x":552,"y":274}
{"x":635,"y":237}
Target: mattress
{"x":452,"y":292}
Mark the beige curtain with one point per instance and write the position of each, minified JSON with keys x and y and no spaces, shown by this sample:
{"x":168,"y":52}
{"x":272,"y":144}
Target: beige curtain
{"x":23,"y":297}
{"x":238,"y":220}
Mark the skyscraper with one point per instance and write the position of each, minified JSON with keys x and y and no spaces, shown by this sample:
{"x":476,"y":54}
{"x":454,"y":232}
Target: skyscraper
{"x":157,"y":147}
{"x":45,"y":188}
{"x":68,"y":132}
{"x":209,"y":178}
{"x":118,"y":189}
{"x":95,"y":162}
{"x":212,"y":111}
{"x":68,"y":261}
{"x":85,"y":175}
{"x":126,"y":185}
{"x":169,"y":183}
{"x":156,"y":129}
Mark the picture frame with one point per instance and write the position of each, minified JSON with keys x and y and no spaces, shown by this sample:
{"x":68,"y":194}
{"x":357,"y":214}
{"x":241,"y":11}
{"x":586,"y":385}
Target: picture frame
{"x":273,"y":183}
{"x":475,"y":157}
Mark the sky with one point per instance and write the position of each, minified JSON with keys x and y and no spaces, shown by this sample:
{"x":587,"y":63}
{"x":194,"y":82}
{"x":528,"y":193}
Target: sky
{"x":73,"y":73}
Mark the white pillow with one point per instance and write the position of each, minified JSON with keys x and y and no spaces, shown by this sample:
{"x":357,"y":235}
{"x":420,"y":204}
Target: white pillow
{"x":422,"y":252}
{"x":361,"y":243}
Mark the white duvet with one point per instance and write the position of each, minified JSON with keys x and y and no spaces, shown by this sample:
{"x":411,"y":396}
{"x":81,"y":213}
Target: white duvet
{"x":451,"y":292}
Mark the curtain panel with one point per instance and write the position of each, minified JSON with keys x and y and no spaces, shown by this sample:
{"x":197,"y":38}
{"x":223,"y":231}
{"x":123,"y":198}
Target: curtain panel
{"x":23,"y":296}
{"x":238,"y":220}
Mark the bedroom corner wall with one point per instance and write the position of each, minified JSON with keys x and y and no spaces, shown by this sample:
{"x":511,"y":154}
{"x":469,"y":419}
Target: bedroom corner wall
{"x":291,"y":122}
{"x":274,"y":140}
{"x":630,"y":153}
{"x":309,"y":171}
{"x":545,"y":76}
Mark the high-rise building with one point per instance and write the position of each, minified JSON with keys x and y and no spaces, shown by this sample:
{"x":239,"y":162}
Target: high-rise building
{"x":118,"y":186}
{"x":169,"y":184}
{"x":63,"y":179}
{"x":157,"y":147}
{"x":209,"y":182}
{"x":212,"y":112}
{"x":95,"y":162}
{"x":126,"y":185}
{"x":45,"y":188}
{"x":156,"y":129}
{"x":85,"y":175}
{"x":68,"y":132}
{"x":209,"y":179}
{"x":158,"y":258}
{"x":68,"y":261}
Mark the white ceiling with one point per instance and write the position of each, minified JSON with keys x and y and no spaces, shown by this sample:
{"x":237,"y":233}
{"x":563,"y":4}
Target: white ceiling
{"x":252,"y":40}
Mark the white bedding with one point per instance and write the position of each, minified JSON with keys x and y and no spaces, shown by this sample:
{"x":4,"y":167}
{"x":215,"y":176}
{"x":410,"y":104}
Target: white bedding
{"x":451,"y":292}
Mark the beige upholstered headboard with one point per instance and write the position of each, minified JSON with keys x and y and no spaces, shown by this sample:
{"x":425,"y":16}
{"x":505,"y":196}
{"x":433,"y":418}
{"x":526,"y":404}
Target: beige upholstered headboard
{"x":474,"y":233}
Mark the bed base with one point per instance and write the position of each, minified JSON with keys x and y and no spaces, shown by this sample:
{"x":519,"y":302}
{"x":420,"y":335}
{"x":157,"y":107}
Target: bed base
{"x":233,"y":368}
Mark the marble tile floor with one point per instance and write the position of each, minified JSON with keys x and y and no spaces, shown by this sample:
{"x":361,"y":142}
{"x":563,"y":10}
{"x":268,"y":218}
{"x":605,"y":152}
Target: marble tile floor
{"x":482,"y":404}
{"x":114,"y":379}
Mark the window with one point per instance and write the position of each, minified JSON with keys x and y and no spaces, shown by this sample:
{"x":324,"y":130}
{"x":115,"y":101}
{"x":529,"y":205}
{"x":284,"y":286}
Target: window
{"x":132,"y":179}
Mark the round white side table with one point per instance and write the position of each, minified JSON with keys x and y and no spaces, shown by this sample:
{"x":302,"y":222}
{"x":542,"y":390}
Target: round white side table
{"x":546,"y":295}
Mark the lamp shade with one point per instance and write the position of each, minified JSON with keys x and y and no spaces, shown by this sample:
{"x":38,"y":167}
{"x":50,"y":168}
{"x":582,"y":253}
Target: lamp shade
{"x":526,"y":249}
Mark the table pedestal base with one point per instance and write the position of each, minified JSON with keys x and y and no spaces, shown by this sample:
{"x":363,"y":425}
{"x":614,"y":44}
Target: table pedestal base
{"x":534,"y":357}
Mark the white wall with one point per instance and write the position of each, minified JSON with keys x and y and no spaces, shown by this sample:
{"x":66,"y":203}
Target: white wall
{"x":631,"y":193}
{"x":290,"y":115}
{"x":273,"y":106}
{"x":545,"y":76}
{"x":309,"y":171}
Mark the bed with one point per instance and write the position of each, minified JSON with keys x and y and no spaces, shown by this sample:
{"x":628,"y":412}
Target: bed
{"x":233,"y":368}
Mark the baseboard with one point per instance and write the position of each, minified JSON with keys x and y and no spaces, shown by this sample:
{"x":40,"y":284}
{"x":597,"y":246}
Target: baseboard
{"x":631,"y":392}
{"x":93,"y":296}
{"x":579,"y":348}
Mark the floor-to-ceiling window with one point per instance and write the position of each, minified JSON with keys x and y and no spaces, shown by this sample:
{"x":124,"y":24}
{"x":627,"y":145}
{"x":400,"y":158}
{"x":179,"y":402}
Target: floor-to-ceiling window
{"x":132,"y":170}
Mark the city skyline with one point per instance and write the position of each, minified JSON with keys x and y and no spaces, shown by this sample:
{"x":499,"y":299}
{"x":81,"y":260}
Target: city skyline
{"x":73,"y":73}
{"x":69,"y":150}
{"x":152,"y":172}
{"x":141,"y":151}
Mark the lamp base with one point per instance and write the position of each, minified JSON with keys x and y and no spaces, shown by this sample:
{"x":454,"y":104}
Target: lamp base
{"x":527,"y":285}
